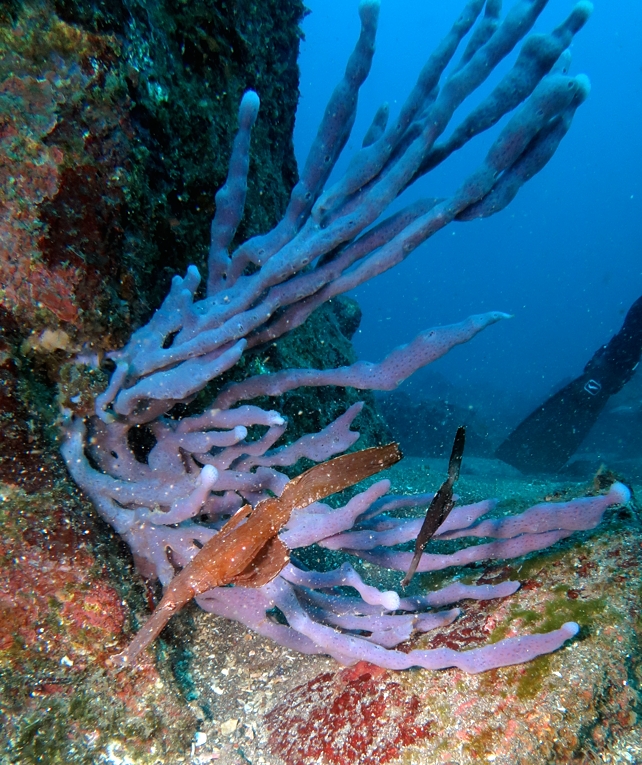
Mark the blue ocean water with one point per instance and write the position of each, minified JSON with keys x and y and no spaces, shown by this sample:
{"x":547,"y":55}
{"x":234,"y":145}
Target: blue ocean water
{"x":565,"y":257}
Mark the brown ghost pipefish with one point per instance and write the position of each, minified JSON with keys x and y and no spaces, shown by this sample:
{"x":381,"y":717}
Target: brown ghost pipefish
{"x":441,"y":505}
{"x":247,"y":550}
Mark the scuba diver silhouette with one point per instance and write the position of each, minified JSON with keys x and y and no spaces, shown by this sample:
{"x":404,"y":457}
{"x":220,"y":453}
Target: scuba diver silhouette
{"x":549,"y":436}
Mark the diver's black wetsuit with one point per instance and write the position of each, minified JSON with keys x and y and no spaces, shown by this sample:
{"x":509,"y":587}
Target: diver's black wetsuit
{"x":546,"y":439}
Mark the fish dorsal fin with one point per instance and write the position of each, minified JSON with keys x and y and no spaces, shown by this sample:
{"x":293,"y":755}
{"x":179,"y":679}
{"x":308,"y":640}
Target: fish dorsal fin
{"x":235,"y":520}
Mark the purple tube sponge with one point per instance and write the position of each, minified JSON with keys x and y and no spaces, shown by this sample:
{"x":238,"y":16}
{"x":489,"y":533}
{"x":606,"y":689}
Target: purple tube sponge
{"x":202,"y":468}
{"x":534,"y":529}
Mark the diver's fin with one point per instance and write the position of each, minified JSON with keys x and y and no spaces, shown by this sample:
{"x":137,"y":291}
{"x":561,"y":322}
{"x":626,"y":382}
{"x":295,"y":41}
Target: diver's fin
{"x":550,"y":435}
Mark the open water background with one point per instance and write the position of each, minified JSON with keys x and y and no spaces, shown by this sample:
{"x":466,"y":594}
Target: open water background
{"x":565,"y":257}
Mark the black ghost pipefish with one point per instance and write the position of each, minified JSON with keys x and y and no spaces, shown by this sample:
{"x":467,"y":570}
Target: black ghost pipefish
{"x":441,"y":505}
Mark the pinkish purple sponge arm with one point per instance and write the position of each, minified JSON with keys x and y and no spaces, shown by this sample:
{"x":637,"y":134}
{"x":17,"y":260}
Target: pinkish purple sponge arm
{"x":203,"y":467}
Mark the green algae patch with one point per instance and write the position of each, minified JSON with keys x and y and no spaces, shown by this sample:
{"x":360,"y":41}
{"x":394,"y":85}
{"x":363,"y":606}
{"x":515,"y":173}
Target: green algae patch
{"x":483,"y":744}
{"x":556,"y":613}
{"x":536,"y":673}
{"x":563,"y":609}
